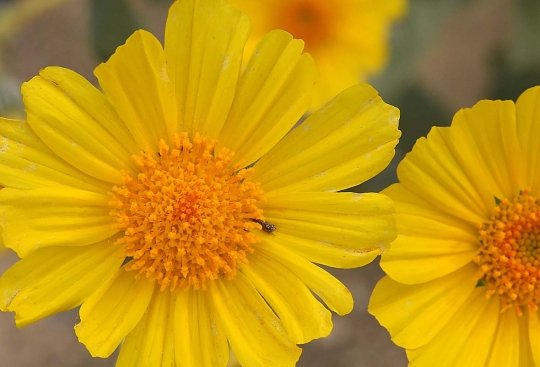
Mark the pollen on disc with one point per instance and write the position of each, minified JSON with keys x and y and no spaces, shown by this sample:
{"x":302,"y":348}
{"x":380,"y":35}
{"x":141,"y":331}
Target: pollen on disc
{"x":188,"y":216}
{"x":509,"y":259}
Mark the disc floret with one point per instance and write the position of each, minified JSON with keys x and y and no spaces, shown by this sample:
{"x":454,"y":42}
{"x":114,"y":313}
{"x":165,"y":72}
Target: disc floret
{"x":509,"y":259}
{"x":187,"y":216}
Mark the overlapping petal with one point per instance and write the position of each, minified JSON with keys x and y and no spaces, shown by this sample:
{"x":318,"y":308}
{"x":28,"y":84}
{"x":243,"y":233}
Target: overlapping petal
{"x":471,"y":331}
{"x":486,"y":135}
{"x":136,"y":81}
{"x":151,"y":343}
{"x":414,"y":314}
{"x":200,"y":339}
{"x":61,"y":109}
{"x":337,"y":229}
{"x":330,"y":290}
{"x":204,"y":43}
{"x":430,"y":243}
{"x":534,"y":334}
{"x":53,"y":216}
{"x":272,"y":95}
{"x":27,"y":163}
{"x":302,"y":315}
{"x":112,"y":312}
{"x":343,"y":144}
{"x":504,"y":350}
{"x":528,"y":128}
{"x":436,"y":163}
{"x":256,"y":335}
{"x":56,"y":279}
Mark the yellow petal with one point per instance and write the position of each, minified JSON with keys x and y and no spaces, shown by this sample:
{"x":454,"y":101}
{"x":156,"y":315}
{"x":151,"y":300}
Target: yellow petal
{"x":534,"y":335}
{"x":204,"y":42}
{"x":345,"y":143}
{"x":95,"y":106}
{"x":526,"y":354}
{"x":151,"y":343}
{"x":505,"y":348}
{"x":430,"y":243}
{"x":414,"y":314}
{"x":112,"y":312}
{"x":488,"y":133}
{"x":335,"y":229}
{"x":303,"y":317}
{"x":466,"y":338}
{"x":528,"y":129}
{"x":435,"y":171}
{"x":136,"y":82}
{"x":56,"y":279}
{"x":61,"y":109}
{"x":27,"y":163}
{"x":272,"y":95}
{"x":55,"y":216}
{"x":199,"y":337}
{"x":255,"y":334}
{"x":330,"y":290}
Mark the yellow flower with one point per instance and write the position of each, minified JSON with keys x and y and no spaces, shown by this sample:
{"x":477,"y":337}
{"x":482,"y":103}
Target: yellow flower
{"x":349,"y":39}
{"x":463,"y":284}
{"x":132,"y":203}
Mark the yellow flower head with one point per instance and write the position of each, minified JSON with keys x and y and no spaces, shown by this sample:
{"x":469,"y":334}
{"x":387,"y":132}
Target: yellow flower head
{"x":178,"y":207}
{"x":463,"y":284}
{"x":349,"y":39}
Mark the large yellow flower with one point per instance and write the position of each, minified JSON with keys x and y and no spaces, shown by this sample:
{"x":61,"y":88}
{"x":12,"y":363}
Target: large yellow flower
{"x":463,"y":284}
{"x":133,"y":204}
{"x":349,"y":39}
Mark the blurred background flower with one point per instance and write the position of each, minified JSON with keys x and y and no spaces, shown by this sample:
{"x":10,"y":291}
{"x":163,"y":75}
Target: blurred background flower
{"x":349,"y":39}
{"x":443,"y":55}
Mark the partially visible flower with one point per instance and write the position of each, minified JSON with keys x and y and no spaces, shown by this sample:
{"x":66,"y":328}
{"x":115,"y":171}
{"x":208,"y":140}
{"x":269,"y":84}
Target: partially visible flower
{"x":179,"y":209}
{"x":463,"y":284}
{"x":349,"y":39}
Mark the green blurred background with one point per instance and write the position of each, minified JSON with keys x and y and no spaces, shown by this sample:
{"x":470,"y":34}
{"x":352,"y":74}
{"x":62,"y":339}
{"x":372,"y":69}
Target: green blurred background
{"x":446,"y":55}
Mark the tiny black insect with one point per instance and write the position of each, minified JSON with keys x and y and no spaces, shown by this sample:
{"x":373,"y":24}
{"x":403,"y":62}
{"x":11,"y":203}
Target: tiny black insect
{"x":266,"y":226}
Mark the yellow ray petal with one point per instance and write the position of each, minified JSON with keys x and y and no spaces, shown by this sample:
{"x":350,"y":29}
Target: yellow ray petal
{"x":199,"y":337}
{"x":151,"y":343}
{"x":272,"y":95}
{"x":528,"y":129}
{"x":204,"y":42}
{"x":303,"y":317}
{"x":255,"y":334}
{"x":56,"y":279}
{"x":61,"y":109}
{"x":135,"y":80}
{"x":438,"y":164}
{"x":470,"y":331}
{"x":95,"y":106}
{"x":343,"y":144}
{"x":335,"y":229}
{"x":488,"y":133}
{"x":112,"y":312}
{"x":27,"y":163}
{"x":330,"y":290}
{"x":534,"y":335}
{"x":414,"y":314}
{"x":504,"y":350}
{"x":430,"y":243}
{"x":55,"y":216}
{"x":526,"y":354}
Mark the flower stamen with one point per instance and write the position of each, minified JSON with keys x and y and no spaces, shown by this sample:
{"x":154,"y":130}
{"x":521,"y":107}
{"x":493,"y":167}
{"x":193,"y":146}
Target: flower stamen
{"x":187,"y":215}
{"x":509,"y":259}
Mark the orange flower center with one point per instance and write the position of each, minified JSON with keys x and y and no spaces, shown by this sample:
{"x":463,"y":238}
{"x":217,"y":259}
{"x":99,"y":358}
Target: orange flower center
{"x":309,"y":20}
{"x":510,"y":256}
{"x":187,"y":217}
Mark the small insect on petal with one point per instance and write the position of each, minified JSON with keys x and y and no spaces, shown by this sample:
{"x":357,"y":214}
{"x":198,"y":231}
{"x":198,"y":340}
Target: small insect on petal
{"x":266,"y":226}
